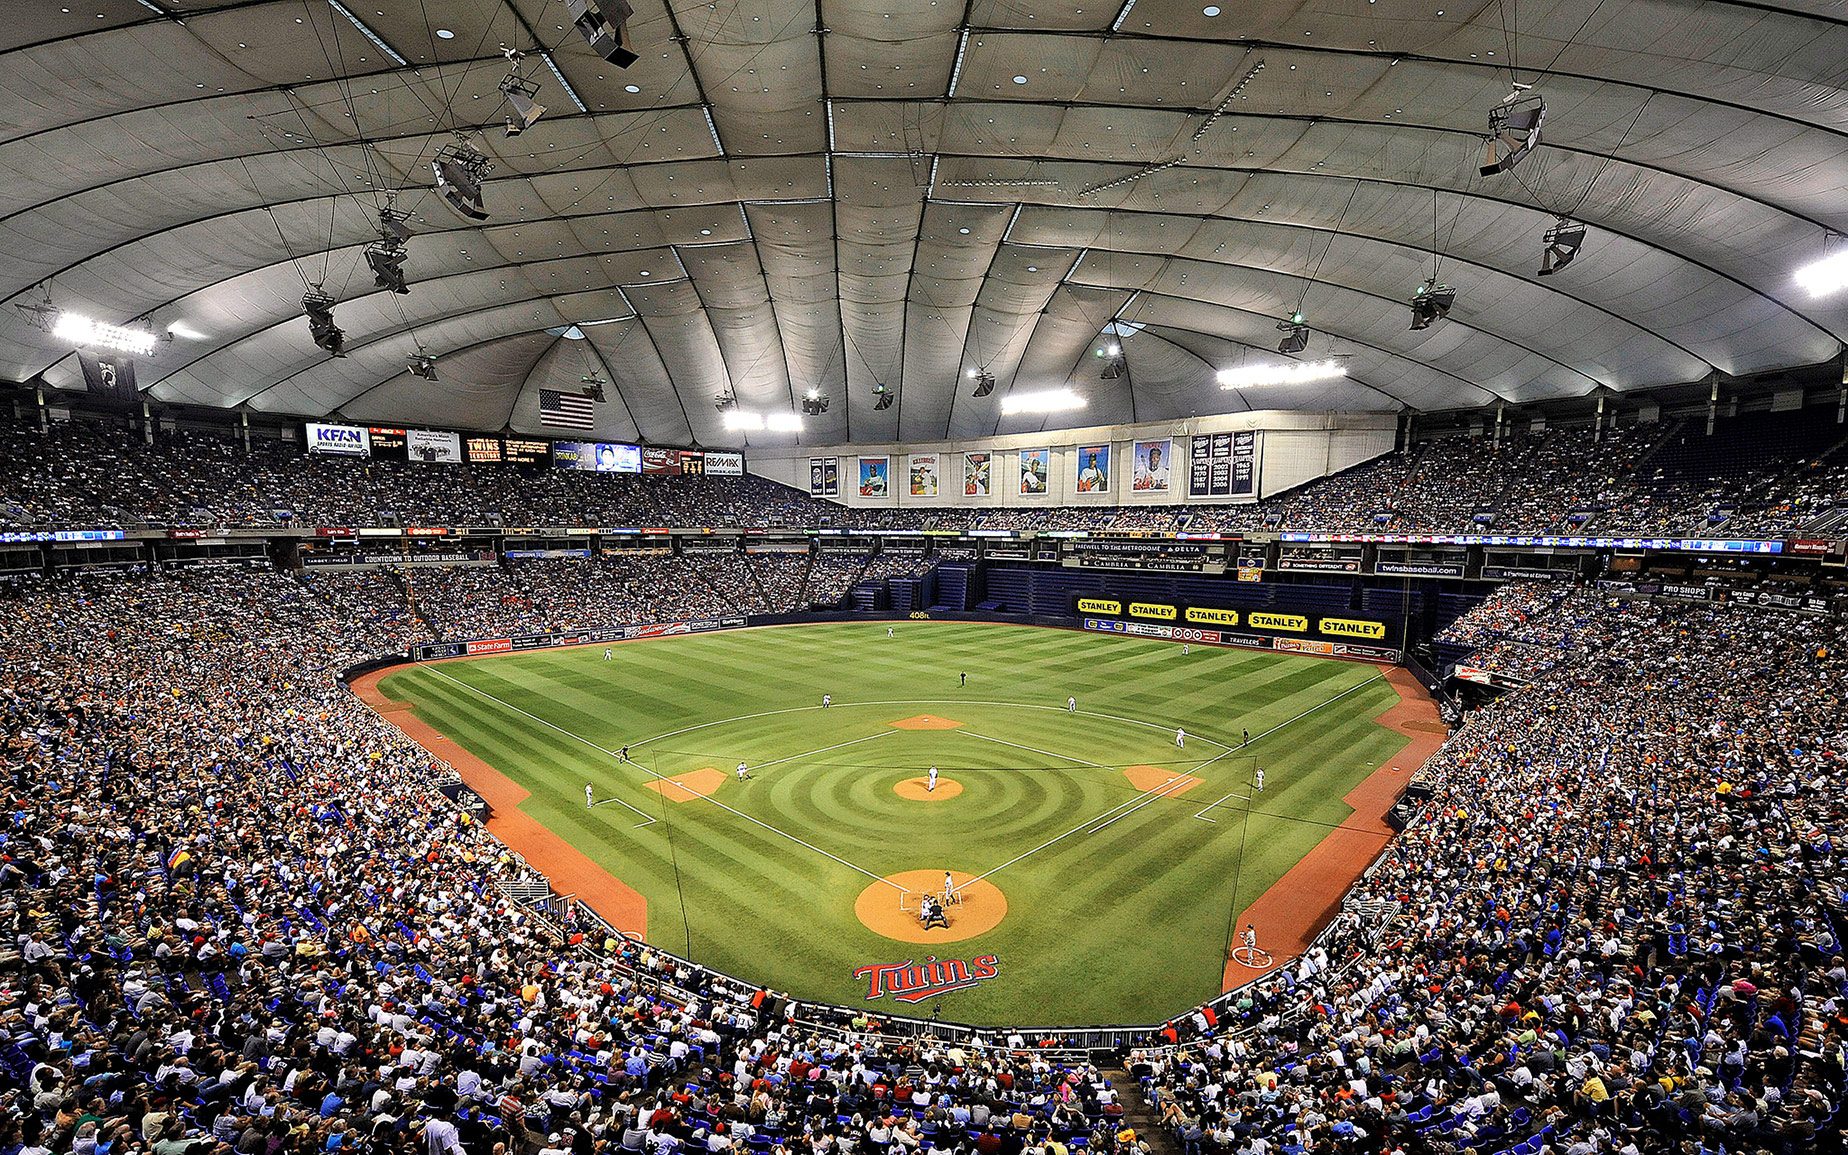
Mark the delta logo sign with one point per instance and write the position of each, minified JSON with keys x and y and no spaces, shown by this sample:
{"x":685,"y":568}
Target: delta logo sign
{"x":913,"y":982}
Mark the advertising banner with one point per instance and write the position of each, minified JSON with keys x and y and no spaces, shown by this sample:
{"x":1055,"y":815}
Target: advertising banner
{"x":1106,"y":626}
{"x":494,"y":646}
{"x":1294,"y":623}
{"x":484,"y":450}
{"x":725,"y":464}
{"x":1349,"y":628}
{"x":387,"y":443}
{"x":1304,"y":646}
{"x":1034,"y":470}
{"x":340,"y":440}
{"x":1320,"y":564}
{"x":875,"y":476}
{"x":923,"y":475}
{"x":1153,"y":462}
{"x":1419,"y":568}
{"x":1212,"y":617}
{"x":1151,"y":610}
{"x":1094,"y":469}
{"x":659,"y":461}
{"x":824,"y":477}
{"x":1148,"y":630}
{"x":1099,"y":606}
{"x":975,"y":474}
{"x":432,"y":446}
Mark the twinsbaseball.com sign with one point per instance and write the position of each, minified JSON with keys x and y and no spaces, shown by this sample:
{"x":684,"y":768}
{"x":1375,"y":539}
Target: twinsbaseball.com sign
{"x":913,"y":982}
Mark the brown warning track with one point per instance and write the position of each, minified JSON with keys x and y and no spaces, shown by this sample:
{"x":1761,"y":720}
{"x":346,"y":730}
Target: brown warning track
{"x":570,"y":871}
{"x":1297,"y":906}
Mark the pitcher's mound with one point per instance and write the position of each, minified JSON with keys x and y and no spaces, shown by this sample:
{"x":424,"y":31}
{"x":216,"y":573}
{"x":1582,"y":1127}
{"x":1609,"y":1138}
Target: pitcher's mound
{"x":924,"y":722}
{"x":1168,"y":783}
{"x":982,"y":908}
{"x":693,"y":784}
{"x":918,"y":790}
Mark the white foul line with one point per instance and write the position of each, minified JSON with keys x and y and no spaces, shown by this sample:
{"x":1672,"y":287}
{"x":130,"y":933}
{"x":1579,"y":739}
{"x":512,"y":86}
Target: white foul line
{"x":1362,"y":685}
{"x":664,"y":778}
{"x":1162,"y":791}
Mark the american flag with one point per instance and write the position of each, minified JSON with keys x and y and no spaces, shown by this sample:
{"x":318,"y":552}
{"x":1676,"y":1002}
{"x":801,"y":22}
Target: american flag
{"x":570,"y":410}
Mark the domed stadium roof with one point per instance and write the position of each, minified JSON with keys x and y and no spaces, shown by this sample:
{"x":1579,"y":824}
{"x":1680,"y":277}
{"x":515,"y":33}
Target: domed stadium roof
{"x":832,"y":195}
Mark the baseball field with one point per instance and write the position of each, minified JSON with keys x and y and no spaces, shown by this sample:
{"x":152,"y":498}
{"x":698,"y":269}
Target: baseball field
{"x":1096,"y":866}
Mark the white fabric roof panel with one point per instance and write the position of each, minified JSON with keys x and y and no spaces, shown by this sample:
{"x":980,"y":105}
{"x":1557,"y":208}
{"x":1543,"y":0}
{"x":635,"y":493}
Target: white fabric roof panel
{"x":784,"y":194}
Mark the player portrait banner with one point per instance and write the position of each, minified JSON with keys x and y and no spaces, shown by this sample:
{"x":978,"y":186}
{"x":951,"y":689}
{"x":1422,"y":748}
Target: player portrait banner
{"x":923,"y":474}
{"x":1034,"y":470}
{"x":1093,"y":469}
{"x":341,"y":440}
{"x":975,"y":473}
{"x":875,"y":476}
{"x":1153,"y":459}
{"x":824,"y":477}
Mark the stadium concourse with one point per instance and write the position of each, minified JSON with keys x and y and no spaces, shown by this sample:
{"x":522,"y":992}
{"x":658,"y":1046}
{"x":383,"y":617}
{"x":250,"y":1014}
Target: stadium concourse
{"x":245,"y":920}
{"x":1762,"y":474}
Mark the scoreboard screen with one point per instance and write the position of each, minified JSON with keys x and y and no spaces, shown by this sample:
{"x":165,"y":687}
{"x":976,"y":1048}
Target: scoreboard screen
{"x":521,"y":451}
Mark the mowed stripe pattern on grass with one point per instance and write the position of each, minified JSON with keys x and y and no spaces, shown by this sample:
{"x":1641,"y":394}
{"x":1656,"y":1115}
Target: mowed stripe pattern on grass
{"x":1125,"y":924}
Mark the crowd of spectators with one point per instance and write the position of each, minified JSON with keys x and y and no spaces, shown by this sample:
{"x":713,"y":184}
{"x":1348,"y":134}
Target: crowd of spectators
{"x":1559,"y":481}
{"x":1614,"y":926}
{"x":242,"y":921}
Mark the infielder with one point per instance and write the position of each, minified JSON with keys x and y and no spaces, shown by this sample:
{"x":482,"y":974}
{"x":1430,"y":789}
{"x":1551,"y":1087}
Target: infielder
{"x":743,"y":771}
{"x":1260,"y":778}
{"x":1180,"y":737}
{"x":827,"y":700}
{"x":590,"y":796}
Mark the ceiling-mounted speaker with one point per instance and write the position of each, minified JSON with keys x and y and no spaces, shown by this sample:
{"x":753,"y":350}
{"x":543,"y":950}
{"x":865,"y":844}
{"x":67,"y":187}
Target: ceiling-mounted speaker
{"x":460,"y":169}
{"x":608,"y":38}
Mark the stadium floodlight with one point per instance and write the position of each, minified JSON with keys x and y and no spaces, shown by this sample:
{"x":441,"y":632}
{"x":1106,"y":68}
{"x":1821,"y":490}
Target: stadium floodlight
{"x":1431,"y":303}
{"x":320,"y":309}
{"x":814,"y":403}
{"x":984,"y":382}
{"x":1045,"y":401}
{"x":1562,"y":243}
{"x":460,"y":168}
{"x":607,"y":38}
{"x":1295,"y":335}
{"x":423,"y":365}
{"x":395,"y":222}
{"x":1514,"y":129}
{"x":1250,"y":377}
{"x":81,"y":330}
{"x":782,"y":423}
{"x":526,"y":111}
{"x":386,"y":256}
{"x":739,"y":419}
{"x":1829,"y":275}
{"x":882,"y":398}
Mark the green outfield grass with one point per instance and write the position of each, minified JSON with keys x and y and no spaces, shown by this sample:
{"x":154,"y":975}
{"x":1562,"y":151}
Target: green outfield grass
{"x":1119,"y":901}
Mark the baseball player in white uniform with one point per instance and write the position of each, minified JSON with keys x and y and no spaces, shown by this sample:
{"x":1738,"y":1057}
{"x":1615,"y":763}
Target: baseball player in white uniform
{"x":932,"y":784}
{"x":590,"y":796}
{"x":1180,"y":737}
